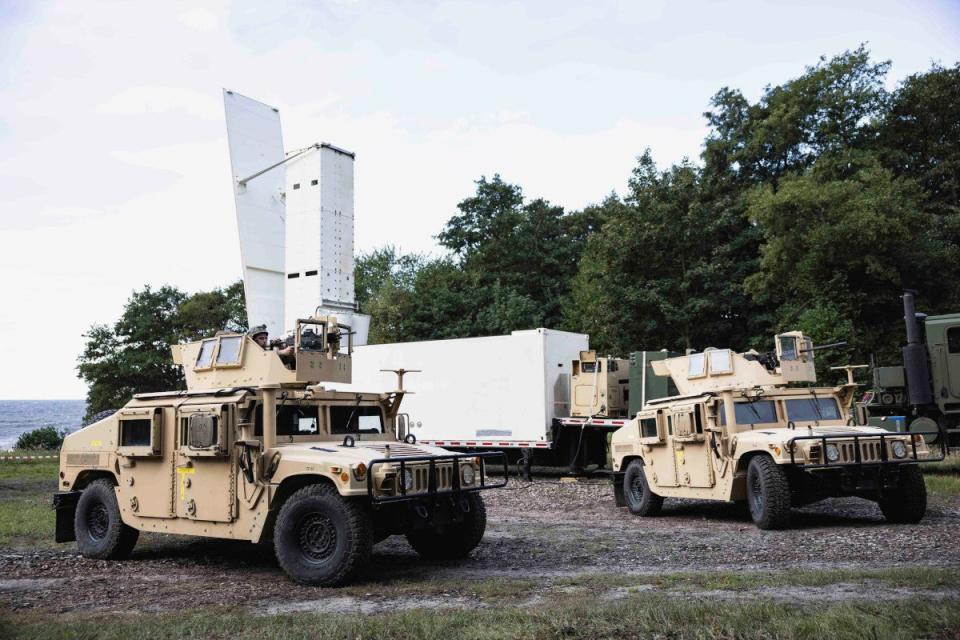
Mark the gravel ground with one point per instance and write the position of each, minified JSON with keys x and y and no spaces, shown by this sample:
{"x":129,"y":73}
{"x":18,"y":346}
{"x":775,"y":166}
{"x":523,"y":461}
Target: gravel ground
{"x":538,"y":531}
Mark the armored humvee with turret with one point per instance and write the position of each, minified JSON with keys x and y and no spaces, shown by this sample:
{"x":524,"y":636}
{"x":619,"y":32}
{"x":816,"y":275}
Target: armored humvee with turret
{"x":741,"y":430}
{"x":257,"y":449}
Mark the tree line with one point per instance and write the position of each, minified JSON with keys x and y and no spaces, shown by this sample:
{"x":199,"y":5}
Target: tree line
{"x":811,"y":208}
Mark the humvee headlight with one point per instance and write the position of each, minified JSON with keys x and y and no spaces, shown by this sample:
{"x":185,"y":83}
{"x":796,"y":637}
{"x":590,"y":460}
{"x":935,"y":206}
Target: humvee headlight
{"x":833,"y":452}
{"x":407,"y":480}
{"x":899,"y":449}
{"x":468,"y":474}
{"x":360,"y":471}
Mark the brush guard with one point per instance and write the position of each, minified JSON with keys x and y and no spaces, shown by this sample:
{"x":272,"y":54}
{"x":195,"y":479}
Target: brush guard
{"x":433,"y":462}
{"x":885,"y":458}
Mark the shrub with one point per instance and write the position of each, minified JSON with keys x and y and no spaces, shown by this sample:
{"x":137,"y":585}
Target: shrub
{"x":47,"y":438}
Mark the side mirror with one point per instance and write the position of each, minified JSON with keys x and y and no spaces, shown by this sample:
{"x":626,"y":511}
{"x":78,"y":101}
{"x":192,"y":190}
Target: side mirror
{"x":403,"y":425}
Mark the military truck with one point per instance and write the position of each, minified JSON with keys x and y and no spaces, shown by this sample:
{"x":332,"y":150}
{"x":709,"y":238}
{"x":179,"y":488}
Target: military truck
{"x":257,"y":449}
{"x":922,"y":392}
{"x":742,"y":430}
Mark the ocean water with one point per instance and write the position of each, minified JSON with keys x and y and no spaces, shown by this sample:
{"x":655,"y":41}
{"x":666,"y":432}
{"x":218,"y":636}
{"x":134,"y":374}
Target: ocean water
{"x":18,"y":416}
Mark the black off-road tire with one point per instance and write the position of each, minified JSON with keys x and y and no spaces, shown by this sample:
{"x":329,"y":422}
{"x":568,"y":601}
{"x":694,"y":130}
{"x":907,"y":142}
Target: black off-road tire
{"x":768,"y":493}
{"x":322,"y":538}
{"x":640,"y":498}
{"x":100,"y":531}
{"x":906,"y":504}
{"x":455,"y":540}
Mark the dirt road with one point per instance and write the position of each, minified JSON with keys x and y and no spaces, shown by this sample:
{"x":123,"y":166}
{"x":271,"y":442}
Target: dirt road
{"x":537,"y":532}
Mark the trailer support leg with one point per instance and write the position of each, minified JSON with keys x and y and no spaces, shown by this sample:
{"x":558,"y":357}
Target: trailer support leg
{"x":525,"y":462}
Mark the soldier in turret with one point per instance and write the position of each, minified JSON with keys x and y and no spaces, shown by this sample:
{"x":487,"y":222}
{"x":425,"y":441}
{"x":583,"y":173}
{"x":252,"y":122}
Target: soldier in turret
{"x":262,"y":337}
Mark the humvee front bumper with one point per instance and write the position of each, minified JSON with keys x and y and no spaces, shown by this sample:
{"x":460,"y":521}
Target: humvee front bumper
{"x":861,"y":450}
{"x":437,"y":484}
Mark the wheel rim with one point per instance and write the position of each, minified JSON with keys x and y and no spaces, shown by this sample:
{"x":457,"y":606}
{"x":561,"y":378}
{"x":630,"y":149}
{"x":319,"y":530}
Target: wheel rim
{"x":756,"y":494}
{"x":636,"y":488}
{"x":98,"y":521}
{"x":318,"y":537}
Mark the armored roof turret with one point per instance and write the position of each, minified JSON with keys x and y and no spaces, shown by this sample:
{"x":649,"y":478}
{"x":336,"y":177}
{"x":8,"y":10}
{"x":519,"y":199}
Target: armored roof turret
{"x":321,"y":352}
{"x":720,"y":369}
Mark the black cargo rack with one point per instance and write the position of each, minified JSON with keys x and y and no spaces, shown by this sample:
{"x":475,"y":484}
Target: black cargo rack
{"x":885,"y":459}
{"x":433,"y":461}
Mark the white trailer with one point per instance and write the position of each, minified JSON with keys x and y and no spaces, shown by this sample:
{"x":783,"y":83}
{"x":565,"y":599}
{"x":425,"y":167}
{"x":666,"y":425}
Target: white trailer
{"x":501,"y":392}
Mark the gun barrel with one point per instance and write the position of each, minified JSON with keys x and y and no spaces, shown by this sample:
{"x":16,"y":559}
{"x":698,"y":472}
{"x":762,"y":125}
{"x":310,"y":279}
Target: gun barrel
{"x":819,"y":347}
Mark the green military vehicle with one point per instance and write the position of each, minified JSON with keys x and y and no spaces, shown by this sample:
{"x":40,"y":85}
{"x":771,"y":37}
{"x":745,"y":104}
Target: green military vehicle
{"x":257,"y":449}
{"x":922,"y":393}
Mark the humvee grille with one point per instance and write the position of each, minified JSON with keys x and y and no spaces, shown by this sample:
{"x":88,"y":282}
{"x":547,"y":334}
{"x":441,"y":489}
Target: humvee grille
{"x":869,"y":451}
{"x":421,"y":477}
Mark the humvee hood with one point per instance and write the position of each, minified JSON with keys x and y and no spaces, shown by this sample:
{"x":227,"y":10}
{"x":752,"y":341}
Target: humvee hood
{"x":761,"y":437}
{"x":362,"y":451}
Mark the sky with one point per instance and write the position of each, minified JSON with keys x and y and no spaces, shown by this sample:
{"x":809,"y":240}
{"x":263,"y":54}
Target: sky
{"x":114,"y":170}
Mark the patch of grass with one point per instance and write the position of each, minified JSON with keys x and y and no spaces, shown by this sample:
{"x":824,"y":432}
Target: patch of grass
{"x":949,"y":465}
{"x":641,"y":615}
{"x":945,"y":485}
{"x":26,"y":517}
{"x":26,"y":520}
{"x":914,"y":577}
{"x":29,"y":469}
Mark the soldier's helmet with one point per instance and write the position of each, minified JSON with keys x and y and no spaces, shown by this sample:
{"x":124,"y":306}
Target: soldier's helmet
{"x":257,"y":330}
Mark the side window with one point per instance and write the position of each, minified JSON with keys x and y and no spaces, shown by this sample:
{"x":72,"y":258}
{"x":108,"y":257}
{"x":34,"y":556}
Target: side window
{"x":698,"y":420}
{"x":614,"y":367}
{"x":788,"y":348}
{"x":229,"y":350}
{"x":953,"y":339}
{"x":721,"y":361}
{"x":648,"y":428}
{"x":135,"y":433}
{"x":140,"y":432}
{"x":296,"y":420}
{"x":205,"y":357}
{"x":696,"y":366}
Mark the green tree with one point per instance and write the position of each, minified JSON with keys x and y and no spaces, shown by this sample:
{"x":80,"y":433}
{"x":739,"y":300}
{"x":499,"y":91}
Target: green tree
{"x":841,"y":242}
{"x":521,"y":254}
{"x":828,"y":109}
{"x":665,"y":269}
{"x":133,"y":355}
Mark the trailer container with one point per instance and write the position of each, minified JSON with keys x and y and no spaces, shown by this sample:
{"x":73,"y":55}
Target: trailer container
{"x":510,"y":393}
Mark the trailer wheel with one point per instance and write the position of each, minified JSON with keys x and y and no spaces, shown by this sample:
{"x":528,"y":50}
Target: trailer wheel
{"x":100,"y":531}
{"x":906,"y":504}
{"x":640,"y":498}
{"x":321,"y":538}
{"x":768,"y":493}
{"x":456,"y":540}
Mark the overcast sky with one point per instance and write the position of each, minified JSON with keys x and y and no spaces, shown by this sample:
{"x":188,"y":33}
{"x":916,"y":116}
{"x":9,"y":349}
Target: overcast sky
{"x":113,"y":156}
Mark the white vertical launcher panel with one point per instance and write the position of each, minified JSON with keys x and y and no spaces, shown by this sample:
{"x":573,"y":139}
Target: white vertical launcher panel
{"x":336,"y":212}
{"x":304,"y":231}
{"x":256,"y":142}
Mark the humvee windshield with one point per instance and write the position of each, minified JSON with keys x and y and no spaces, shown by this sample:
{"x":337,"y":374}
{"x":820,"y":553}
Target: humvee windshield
{"x":809,"y":409}
{"x":356,"y":419}
{"x":757,"y":412}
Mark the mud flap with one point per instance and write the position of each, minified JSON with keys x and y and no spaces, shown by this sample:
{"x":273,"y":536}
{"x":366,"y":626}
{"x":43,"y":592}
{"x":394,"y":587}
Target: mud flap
{"x":618,"y":490}
{"x":66,"y":506}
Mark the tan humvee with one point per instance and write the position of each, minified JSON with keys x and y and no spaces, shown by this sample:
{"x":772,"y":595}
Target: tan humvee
{"x":738,"y":432}
{"x":257,"y":449}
